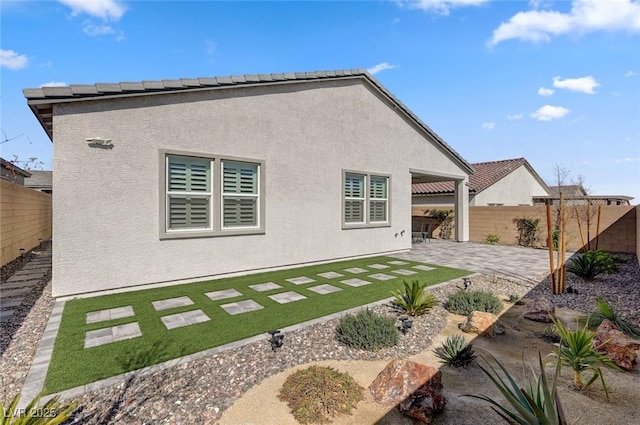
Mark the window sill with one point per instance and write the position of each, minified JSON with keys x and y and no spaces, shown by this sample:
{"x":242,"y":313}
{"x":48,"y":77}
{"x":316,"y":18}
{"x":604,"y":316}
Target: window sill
{"x":210,"y":234}
{"x":347,"y":226}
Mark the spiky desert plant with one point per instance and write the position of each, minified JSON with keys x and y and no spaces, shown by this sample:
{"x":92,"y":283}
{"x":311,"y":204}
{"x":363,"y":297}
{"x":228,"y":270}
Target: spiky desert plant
{"x":605,"y":311}
{"x":576,"y":350}
{"x":413,"y":299}
{"x":534,"y":403}
{"x":456,"y":352}
{"x":51,"y":413}
{"x":587,"y":266}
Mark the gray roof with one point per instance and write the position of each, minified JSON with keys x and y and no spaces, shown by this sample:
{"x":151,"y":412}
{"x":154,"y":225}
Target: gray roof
{"x":41,"y":100}
{"x":40,"y":179}
{"x":12,"y":167}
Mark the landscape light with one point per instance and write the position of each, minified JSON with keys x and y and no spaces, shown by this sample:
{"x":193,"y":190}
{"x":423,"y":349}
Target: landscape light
{"x":276,"y":339}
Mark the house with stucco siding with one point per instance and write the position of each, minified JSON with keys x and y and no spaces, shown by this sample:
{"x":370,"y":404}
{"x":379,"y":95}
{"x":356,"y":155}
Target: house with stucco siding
{"x":166,"y":182}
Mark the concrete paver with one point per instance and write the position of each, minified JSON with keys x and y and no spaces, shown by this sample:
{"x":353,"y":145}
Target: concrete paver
{"x":287,"y":297}
{"x":112,"y":334}
{"x":110,"y":314}
{"x":241,"y":307}
{"x":223,"y":294}
{"x":356,"y":270}
{"x":355,"y":282}
{"x":263,"y":287}
{"x":330,"y":275}
{"x":324,"y":289}
{"x":300,"y":280}
{"x":382,"y":276}
{"x":171,"y":303}
{"x":186,"y":318}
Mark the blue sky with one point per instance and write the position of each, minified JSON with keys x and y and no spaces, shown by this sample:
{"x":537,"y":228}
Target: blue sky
{"x":554,"y":82}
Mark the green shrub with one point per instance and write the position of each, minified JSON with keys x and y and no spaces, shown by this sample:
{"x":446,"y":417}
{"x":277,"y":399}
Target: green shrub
{"x":550,"y":334}
{"x":414,"y":300}
{"x":492,"y":238}
{"x":514,"y":298}
{"x":317,"y":393}
{"x":592,"y":263}
{"x":605,"y":311}
{"x":367,"y":330}
{"x":464,"y":302}
{"x":610,"y":262}
{"x":456,"y":352}
{"x":527,"y":230}
{"x":51,"y":413}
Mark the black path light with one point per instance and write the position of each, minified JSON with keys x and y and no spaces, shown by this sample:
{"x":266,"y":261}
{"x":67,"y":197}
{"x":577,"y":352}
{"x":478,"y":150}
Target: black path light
{"x":406,"y":322}
{"x":22,"y":250}
{"x":276,"y":339}
{"x":466,"y":282}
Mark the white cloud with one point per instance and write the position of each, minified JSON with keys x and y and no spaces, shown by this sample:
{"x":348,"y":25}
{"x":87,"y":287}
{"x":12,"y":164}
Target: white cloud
{"x":380,"y":67}
{"x":489,"y":125}
{"x":12,"y":60}
{"x":542,"y":91}
{"x":626,"y":160}
{"x":93,"y":30}
{"x":105,"y":9}
{"x":515,"y":117}
{"x":549,"y":112}
{"x":54,"y":84}
{"x":441,"y":7}
{"x":630,"y":73}
{"x":585,"y":16}
{"x":582,"y":84}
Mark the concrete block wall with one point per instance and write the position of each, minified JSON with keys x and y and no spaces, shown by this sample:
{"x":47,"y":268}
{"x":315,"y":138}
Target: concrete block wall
{"x":25,"y":218}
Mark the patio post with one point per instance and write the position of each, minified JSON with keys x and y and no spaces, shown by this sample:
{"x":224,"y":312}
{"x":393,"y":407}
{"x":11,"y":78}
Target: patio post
{"x":462,"y":210}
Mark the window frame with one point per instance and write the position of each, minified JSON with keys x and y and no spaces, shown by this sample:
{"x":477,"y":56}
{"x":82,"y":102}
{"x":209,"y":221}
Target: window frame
{"x":367,"y":223}
{"x":216,"y":215}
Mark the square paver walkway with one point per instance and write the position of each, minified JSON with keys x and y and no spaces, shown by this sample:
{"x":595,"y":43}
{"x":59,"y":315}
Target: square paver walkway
{"x":112,"y":334}
{"x":405,"y":272}
{"x":223,"y":294}
{"x":378,"y":266}
{"x":355,"y":282}
{"x":300,"y":280}
{"x":287,"y":297}
{"x":241,"y":307}
{"x":398,"y":263}
{"x":330,"y":275}
{"x":356,"y":270}
{"x":423,"y":268}
{"x":186,"y":318}
{"x":382,"y":276}
{"x":171,"y":303}
{"x":324,"y":289}
{"x":110,"y":314}
{"x":267,"y":286}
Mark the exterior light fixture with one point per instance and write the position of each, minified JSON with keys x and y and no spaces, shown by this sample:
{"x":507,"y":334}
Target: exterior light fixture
{"x":466,"y":282}
{"x":276,"y":339}
{"x":406,"y":324}
{"x":99,"y":142}
{"x":22,"y":250}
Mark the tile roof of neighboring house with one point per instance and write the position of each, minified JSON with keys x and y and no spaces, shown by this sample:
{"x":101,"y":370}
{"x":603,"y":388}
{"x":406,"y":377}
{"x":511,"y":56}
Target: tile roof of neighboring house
{"x":568,"y":190}
{"x":12,"y":167}
{"x":487,"y":173}
{"x":39,"y":179}
{"x":41,"y":100}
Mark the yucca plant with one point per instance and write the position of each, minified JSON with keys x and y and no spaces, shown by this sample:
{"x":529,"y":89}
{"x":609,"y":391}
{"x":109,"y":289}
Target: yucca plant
{"x":51,"y":413}
{"x":414,"y":300}
{"x":587,"y":266}
{"x":605,"y":311}
{"x":535,"y":403}
{"x":576,"y":350}
{"x":456,"y":352}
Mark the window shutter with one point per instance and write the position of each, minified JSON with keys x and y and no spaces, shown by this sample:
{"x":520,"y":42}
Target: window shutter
{"x":353,"y":211}
{"x":240,"y":177}
{"x":188,"y":212}
{"x":378,"y":187}
{"x":189,"y":175}
{"x":240,"y":194}
{"x":189,"y":193}
{"x":353,"y":185}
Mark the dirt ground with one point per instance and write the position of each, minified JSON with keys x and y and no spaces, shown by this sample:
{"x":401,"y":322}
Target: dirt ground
{"x":260,"y":404}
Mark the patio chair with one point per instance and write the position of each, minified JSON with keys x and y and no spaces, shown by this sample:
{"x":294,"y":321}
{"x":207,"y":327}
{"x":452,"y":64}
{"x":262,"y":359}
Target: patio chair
{"x":425,"y":231}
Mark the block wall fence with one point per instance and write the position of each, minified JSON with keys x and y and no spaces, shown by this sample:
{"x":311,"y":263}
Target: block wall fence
{"x":619,"y":225}
{"x":25,"y":218}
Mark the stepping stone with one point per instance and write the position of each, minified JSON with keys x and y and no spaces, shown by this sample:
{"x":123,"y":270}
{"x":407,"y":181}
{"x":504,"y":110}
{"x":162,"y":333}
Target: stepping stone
{"x":21,"y":278}
{"x":398,"y":263}
{"x":9,"y":305}
{"x":330,"y":275}
{"x":241,"y":307}
{"x":171,"y":303}
{"x":110,"y":314}
{"x":20,"y":284}
{"x":287,"y":297}
{"x":356,"y":270}
{"x":5,"y":315}
{"x":11,"y":293}
{"x":378,"y":266}
{"x":355,"y":282}
{"x":262,"y":287}
{"x":187,"y":318}
{"x":405,"y":272}
{"x":300,"y":280}
{"x":424,"y":268}
{"x":113,"y":334}
{"x":324,"y":289}
{"x":223,"y":294}
{"x":382,"y":276}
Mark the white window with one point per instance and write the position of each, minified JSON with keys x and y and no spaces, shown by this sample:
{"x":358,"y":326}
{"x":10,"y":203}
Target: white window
{"x":210,"y":196}
{"x":354,"y":198}
{"x":365,"y":200}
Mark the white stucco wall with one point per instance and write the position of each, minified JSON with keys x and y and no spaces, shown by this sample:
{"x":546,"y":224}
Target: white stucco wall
{"x":106,"y":208}
{"x":516,"y":188}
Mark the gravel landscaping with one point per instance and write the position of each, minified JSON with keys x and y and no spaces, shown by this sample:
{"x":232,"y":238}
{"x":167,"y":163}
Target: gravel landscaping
{"x":197,"y":392}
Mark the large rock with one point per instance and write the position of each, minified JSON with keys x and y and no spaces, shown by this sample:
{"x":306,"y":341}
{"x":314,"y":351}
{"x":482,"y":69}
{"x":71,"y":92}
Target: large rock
{"x":415,"y":388}
{"x":485,"y":324}
{"x":610,"y":340}
{"x":540,"y":310}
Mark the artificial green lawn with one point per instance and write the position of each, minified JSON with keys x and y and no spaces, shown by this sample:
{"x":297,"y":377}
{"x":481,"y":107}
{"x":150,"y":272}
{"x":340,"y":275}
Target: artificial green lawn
{"x":73,"y":365}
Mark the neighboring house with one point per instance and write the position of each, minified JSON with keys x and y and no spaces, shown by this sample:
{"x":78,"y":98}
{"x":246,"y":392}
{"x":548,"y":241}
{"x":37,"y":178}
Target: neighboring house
{"x":12,"y":173}
{"x":40,"y":180}
{"x":506,"y":182}
{"x":175,"y":180}
{"x":576,"y":194}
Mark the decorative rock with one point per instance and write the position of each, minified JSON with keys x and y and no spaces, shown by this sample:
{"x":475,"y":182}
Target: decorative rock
{"x":414,"y":387}
{"x":485,"y":324}
{"x":610,"y":340}
{"x":540,"y":310}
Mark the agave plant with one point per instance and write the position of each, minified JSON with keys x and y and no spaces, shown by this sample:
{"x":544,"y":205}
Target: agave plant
{"x":576,"y":350}
{"x":587,"y":266}
{"x":456,"y":352}
{"x":605,"y":311}
{"x":535,"y":403}
{"x":414,"y":300}
{"x":51,"y":413}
